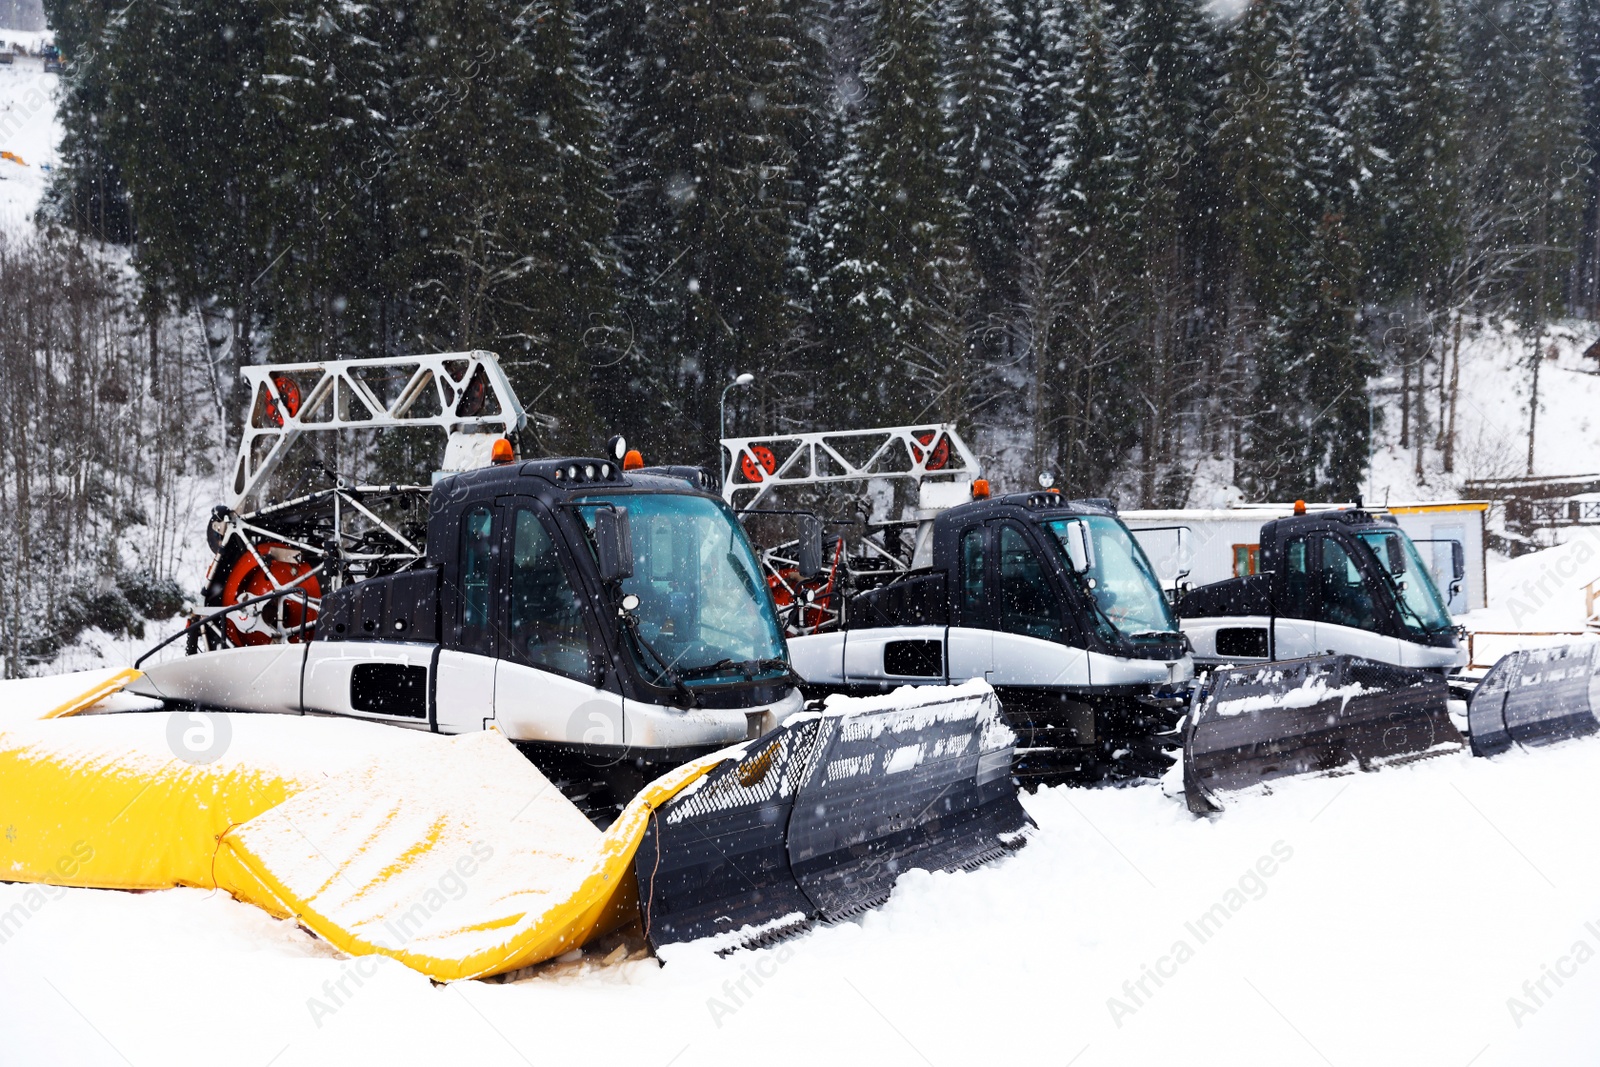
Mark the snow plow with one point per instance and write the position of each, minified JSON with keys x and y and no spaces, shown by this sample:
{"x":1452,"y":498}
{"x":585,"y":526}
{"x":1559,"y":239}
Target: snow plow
{"x":611,"y":623}
{"x":1332,"y":656}
{"x":1049,"y":599}
{"x":815,"y":822}
{"x":1345,"y":581}
{"x":1536,"y":697}
{"x":1322,"y":714}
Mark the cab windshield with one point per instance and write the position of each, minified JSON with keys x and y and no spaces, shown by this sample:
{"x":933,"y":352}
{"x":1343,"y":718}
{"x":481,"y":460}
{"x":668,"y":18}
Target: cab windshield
{"x":1119,"y":576}
{"x":703,"y":608}
{"x":1421,"y":606}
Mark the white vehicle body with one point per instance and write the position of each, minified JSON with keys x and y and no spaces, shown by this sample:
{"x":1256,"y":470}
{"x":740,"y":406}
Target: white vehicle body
{"x":424,"y":687}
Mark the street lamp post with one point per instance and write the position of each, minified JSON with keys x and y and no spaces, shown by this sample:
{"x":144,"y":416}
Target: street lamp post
{"x":722,"y":415}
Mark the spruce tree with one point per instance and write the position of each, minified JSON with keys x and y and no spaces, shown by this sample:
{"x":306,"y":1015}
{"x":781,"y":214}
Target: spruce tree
{"x":1042,"y":49}
{"x":197,"y":141}
{"x":1546,"y":182}
{"x":1585,"y":31}
{"x":87,"y":192}
{"x":330,"y":92}
{"x":1084,"y":313}
{"x":1342,"y":66}
{"x":1419,"y":134}
{"x":988,"y":163}
{"x":705,"y":183}
{"x":1165,"y":57}
{"x":1271,"y":142}
{"x":499,"y":195}
{"x":892,"y":282}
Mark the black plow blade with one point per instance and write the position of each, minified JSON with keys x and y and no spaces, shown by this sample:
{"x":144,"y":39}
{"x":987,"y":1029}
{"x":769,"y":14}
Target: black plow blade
{"x":816,"y":820}
{"x":1305,"y":716}
{"x":1536,"y":697}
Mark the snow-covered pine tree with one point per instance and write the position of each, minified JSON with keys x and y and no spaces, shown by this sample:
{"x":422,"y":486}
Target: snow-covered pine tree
{"x":1417,"y":256}
{"x":892,"y":283}
{"x":1265,"y":139}
{"x":87,"y":192}
{"x":197,"y":144}
{"x":1042,"y":49}
{"x":1499,"y":43}
{"x":1547,"y":181}
{"x":1322,"y":329}
{"x":1342,"y":65}
{"x":980,"y":84}
{"x":707,"y":208}
{"x":1584,"y":29}
{"x":1420,"y":136}
{"x":1270,"y":142}
{"x":499,"y":178}
{"x":1166,"y":60}
{"x":329,"y":87}
{"x":1084,"y":311}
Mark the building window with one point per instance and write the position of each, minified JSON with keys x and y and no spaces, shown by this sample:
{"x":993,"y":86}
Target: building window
{"x":1246,"y":560}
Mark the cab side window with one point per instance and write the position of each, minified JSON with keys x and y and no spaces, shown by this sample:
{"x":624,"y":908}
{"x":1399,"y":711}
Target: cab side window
{"x":1295,"y":601}
{"x":974,"y":606}
{"x":545,"y":621}
{"x":1027,"y":600}
{"x":1346,"y":599}
{"x":477,"y":572}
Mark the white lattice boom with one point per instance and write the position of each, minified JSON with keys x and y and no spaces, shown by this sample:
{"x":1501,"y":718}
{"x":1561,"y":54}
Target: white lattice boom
{"x":458,"y":392}
{"x":762,"y":464}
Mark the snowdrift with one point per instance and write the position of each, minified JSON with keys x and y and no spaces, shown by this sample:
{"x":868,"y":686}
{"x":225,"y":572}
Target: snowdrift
{"x":454,"y":856}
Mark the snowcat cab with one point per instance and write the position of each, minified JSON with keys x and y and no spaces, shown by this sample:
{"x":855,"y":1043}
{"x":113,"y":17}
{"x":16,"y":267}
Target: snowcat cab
{"x":1054,"y":602}
{"x":611,"y":623}
{"x":1333,"y":582}
{"x":1351,"y":641}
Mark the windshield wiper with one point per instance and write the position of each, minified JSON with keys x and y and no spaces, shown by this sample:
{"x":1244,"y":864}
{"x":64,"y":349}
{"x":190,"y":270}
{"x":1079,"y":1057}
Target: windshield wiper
{"x":668,"y":672}
{"x":1405,"y":605}
{"x":748,"y":668}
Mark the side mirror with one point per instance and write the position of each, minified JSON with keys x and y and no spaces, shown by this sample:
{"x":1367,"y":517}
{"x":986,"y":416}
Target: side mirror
{"x":1458,"y":561}
{"x":1396,"y":553}
{"x":810,"y":547}
{"x":613,"y":539}
{"x":1080,"y":546}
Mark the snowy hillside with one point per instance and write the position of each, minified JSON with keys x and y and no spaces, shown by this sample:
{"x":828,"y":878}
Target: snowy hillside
{"x":28,"y":130}
{"x":1493,"y":416}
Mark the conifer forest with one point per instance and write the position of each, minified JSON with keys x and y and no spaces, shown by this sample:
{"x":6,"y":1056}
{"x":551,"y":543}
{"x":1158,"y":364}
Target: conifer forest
{"x":1107,"y":238}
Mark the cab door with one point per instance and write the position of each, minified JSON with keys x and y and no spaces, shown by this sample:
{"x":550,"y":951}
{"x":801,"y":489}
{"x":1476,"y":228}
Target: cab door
{"x":1029,"y":646}
{"x":465,"y":670}
{"x":969,"y":640}
{"x":547,"y":670}
{"x":1295,"y":599}
{"x":1351,"y":609}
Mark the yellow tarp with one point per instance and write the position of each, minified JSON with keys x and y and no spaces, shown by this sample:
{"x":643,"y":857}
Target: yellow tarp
{"x":452,"y":855}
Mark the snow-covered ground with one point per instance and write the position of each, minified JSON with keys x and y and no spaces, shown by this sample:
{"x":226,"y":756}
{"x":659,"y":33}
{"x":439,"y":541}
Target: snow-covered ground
{"x":1439,"y":913}
{"x":28,"y":130}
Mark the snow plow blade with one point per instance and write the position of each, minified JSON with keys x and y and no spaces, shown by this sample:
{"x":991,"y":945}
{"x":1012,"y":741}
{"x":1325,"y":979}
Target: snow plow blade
{"x":815,"y":821}
{"x":1308,"y":715}
{"x":1536,"y":696}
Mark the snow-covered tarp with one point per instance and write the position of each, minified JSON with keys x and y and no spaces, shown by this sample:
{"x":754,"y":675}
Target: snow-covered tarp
{"x":453,"y":855}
